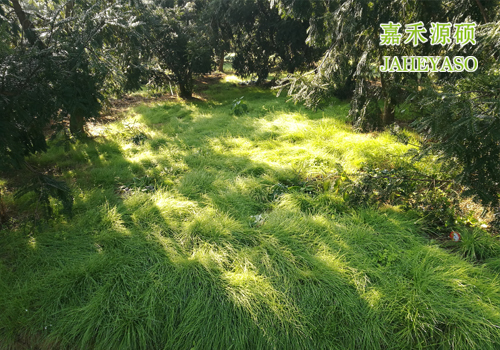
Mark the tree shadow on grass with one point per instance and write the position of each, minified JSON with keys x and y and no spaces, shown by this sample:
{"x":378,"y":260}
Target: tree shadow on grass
{"x":395,"y":273}
{"x":146,"y":270}
{"x":373,"y":258}
{"x":187,"y":266}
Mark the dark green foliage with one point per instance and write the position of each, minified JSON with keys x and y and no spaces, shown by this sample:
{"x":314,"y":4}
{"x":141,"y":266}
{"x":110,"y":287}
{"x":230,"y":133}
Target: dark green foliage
{"x":216,"y":14}
{"x":158,"y":80}
{"x":138,"y":138}
{"x":45,"y":187}
{"x":39,"y":89}
{"x":291,"y":47}
{"x":61,"y":75}
{"x":179,"y":40}
{"x":27,"y":104}
{"x":239,"y":106}
{"x":254,"y":22}
{"x":265,"y":40}
{"x":461,"y":124}
{"x":310,"y":186}
{"x":63,"y":79}
{"x":276,"y":191}
{"x":435,"y":200}
{"x":365,"y":111}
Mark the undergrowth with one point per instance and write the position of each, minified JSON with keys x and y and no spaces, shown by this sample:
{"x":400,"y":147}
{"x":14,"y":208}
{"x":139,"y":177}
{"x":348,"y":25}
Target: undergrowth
{"x":195,"y":228}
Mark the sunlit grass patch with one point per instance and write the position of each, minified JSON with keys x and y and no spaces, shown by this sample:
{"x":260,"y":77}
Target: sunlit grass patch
{"x":232,"y":79}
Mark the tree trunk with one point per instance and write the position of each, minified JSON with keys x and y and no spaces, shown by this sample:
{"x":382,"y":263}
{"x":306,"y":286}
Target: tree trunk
{"x":262,"y":75}
{"x":221,"y":62}
{"x":388,"y":112}
{"x":69,"y":9}
{"x":185,"y":81}
{"x":76,"y":123}
{"x":185,"y":92}
{"x":27,"y":25}
{"x":346,"y":92}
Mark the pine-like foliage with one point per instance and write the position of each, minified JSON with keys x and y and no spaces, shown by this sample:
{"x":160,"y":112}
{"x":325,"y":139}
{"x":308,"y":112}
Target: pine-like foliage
{"x":45,"y":187}
{"x":177,"y":37}
{"x":26,"y":104}
{"x":461,"y":123}
{"x":56,"y":61}
{"x":349,"y":31}
{"x":459,"y":120}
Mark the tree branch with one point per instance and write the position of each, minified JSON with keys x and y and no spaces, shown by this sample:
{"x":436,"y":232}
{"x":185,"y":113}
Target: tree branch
{"x":27,"y":25}
{"x":483,"y":12}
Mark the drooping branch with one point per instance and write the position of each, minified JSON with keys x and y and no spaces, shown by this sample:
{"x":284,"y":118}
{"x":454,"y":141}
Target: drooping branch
{"x":483,"y":12}
{"x":27,"y":25}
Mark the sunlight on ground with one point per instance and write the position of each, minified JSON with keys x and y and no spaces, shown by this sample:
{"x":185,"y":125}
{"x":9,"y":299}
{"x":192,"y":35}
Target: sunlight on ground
{"x":32,"y":242}
{"x":193,"y":228}
{"x":232,"y":79}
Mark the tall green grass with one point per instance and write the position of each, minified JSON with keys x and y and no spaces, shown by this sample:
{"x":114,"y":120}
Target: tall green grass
{"x":216,"y":258}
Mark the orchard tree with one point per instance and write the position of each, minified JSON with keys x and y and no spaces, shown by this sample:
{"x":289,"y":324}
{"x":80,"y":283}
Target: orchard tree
{"x":57,"y":63}
{"x":255,"y":27}
{"x":66,"y":51}
{"x":458,"y":113}
{"x":221,"y":31}
{"x":179,"y":39}
{"x":264,"y":40}
{"x":459,"y":120}
{"x":351,"y":31}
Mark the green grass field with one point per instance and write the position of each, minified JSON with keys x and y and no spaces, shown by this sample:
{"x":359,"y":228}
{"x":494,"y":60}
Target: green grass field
{"x":185,"y":236}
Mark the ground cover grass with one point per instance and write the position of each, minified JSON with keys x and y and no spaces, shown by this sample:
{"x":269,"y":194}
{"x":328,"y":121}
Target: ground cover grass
{"x":185,"y":236}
